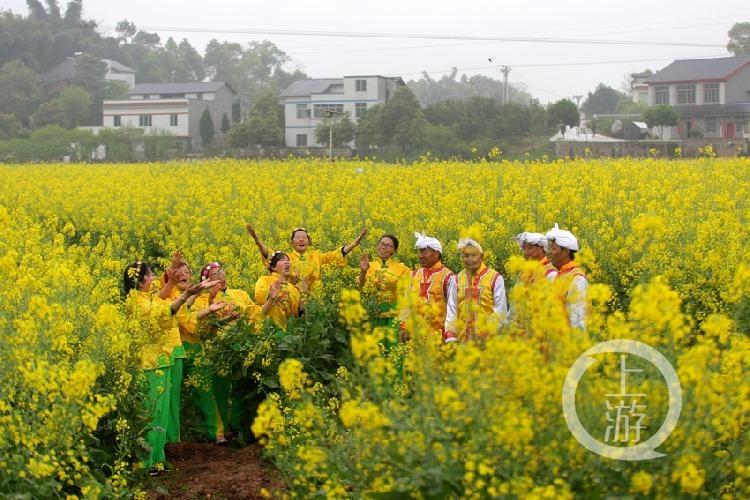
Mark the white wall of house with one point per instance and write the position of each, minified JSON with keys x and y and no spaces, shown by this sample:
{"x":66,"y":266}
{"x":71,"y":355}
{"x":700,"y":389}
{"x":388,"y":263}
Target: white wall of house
{"x":302,"y":114}
{"x":165,"y":115}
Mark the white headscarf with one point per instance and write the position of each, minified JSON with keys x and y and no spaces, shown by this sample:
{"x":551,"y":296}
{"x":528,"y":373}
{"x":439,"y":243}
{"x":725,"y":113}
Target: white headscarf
{"x":563,"y":238}
{"x":465,"y":242}
{"x":532,"y":239}
{"x":424,"y":241}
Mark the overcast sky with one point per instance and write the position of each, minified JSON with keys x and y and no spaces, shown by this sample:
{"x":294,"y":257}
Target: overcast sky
{"x":437,"y":35}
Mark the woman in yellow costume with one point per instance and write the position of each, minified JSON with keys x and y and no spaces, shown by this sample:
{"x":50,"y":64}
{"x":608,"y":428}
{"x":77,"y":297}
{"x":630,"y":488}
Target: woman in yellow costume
{"x":280,"y":297}
{"x":306,"y":263}
{"x":383,"y":276}
{"x":157,"y":356}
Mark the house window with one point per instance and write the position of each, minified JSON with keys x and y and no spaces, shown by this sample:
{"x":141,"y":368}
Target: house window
{"x":359,"y":109}
{"x":117,"y":120}
{"x":686,"y":94}
{"x":711,"y":126}
{"x":643,"y":98}
{"x":301,"y":140}
{"x":711,"y":93}
{"x":303,"y":111}
{"x":360,"y":85}
{"x":322,"y":110}
{"x":144,"y":121}
{"x":173,"y":120}
{"x":661,"y":95}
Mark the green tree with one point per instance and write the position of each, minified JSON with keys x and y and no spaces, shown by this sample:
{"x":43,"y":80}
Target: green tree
{"x":116,"y":90}
{"x":225,"y":125}
{"x":340,"y":127}
{"x":604,"y":100}
{"x":183,"y":62}
{"x":369,"y":134}
{"x":563,"y":112}
{"x":125,"y":31}
{"x":660,"y":116}
{"x":402,"y":123}
{"x":739,"y":39}
{"x":452,"y":88}
{"x":76,"y":103}
{"x":20,"y":93}
{"x":10,"y":127}
{"x":206,"y":128}
{"x":222,"y":61}
{"x":263,"y":125}
{"x":50,"y":113}
{"x":89,"y":74}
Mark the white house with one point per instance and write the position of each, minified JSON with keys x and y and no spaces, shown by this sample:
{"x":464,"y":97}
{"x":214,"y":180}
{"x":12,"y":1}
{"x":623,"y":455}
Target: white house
{"x":172,"y":108}
{"x":307,"y":102}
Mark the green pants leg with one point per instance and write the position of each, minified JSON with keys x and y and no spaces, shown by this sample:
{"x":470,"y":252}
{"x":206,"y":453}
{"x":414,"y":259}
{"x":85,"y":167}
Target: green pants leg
{"x":201,"y":391}
{"x":222,"y":386}
{"x":175,"y":394}
{"x":245,"y":401}
{"x":157,"y":405}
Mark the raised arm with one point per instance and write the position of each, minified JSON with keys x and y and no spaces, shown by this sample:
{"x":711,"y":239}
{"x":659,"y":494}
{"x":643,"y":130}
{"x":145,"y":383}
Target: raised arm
{"x":261,"y":246}
{"x":364,"y":265}
{"x":351,"y":246}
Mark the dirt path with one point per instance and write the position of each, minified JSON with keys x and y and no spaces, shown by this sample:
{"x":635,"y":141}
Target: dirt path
{"x":204,"y":470}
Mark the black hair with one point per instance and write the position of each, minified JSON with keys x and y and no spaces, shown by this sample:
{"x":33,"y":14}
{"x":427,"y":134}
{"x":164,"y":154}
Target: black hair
{"x":133,"y":275}
{"x":572,"y":254}
{"x":275,"y":258}
{"x":295,"y":231}
{"x":393,"y":239}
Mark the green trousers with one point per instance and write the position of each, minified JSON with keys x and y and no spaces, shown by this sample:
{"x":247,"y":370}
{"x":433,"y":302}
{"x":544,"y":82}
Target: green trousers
{"x":202,"y":393}
{"x":157,"y":405}
{"x":175,"y":401}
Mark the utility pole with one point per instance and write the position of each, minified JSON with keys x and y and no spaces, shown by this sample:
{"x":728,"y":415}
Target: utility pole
{"x":505,"y":70}
{"x":330,"y":134}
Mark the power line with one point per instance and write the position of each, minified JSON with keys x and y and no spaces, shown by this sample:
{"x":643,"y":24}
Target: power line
{"x":345,"y":34}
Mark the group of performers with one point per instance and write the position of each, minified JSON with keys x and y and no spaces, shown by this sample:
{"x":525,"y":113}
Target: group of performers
{"x":459,"y":307}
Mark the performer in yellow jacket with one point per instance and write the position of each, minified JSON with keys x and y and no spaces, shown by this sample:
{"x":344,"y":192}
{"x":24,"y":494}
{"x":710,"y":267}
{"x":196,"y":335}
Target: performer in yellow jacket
{"x":383,"y":276}
{"x":571,"y":279}
{"x":157,"y":357}
{"x":426,"y":293}
{"x":225,"y":390}
{"x":476,"y":297}
{"x":306,"y":263}
{"x":535,"y":247}
{"x":281,"y":299}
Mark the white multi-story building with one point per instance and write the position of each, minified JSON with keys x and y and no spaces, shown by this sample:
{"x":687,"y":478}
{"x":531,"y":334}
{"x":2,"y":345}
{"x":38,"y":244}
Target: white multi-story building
{"x":172,"y":108}
{"x":307,"y":102}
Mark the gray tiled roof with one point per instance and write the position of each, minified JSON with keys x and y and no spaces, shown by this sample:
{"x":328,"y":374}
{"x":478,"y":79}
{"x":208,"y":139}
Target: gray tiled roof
{"x":118,"y":66}
{"x":177,"y":88}
{"x":696,"y":110}
{"x":309,"y":87}
{"x":693,"y":70}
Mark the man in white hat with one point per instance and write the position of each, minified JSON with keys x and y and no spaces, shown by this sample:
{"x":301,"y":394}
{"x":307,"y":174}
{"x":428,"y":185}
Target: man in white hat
{"x":535,"y":247}
{"x":427,"y":288}
{"x":476,"y":297}
{"x":562,"y":250}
